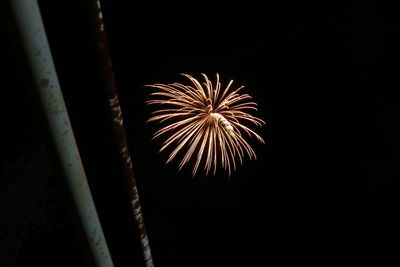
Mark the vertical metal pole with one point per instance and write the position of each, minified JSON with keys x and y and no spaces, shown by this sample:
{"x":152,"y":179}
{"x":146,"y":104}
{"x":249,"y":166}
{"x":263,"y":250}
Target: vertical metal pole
{"x":109,"y":86}
{"x":34,"y":41}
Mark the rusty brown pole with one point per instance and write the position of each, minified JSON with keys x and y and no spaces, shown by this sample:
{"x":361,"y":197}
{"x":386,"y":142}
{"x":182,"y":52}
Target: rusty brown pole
{"x":109,"y":85}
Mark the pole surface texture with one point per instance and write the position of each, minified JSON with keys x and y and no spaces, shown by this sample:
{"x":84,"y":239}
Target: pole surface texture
{"x":41,"y":65}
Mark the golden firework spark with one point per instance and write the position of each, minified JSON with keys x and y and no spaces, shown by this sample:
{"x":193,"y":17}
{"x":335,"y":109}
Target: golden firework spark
{"x":205,"y":120}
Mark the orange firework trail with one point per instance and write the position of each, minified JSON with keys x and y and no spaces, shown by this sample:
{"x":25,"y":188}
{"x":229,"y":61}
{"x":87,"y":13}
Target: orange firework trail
{"x":206,"y":120}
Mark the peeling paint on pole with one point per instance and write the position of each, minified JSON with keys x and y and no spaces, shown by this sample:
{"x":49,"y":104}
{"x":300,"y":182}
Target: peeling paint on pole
{"x":116,"y":110}
{"x":40,"y":63}
{"x":116,"y":114}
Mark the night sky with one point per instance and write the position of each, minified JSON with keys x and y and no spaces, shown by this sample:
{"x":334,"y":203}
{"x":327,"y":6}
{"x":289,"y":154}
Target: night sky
{"x":325,"y":77}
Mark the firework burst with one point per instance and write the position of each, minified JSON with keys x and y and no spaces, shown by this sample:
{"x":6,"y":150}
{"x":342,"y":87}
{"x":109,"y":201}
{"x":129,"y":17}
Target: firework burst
{"x":207,"y":121}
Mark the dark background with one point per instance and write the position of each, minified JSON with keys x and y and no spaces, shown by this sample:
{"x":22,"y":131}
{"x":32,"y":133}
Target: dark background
{"x":325,"y":76}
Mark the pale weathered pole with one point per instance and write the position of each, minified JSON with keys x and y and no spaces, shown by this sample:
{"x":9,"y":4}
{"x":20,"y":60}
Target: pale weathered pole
{"x":35,"y":46}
